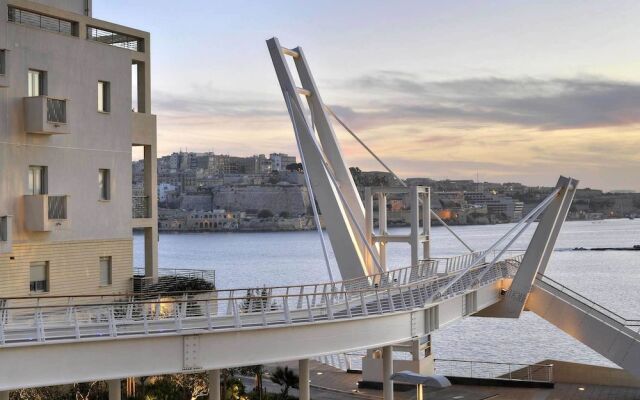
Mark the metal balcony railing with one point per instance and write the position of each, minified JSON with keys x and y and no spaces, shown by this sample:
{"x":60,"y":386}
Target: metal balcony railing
{"x":57,"y":207}
{"x":42,"y":319}
{"x":56,"y":111}
{"x":174,"y":279}
{"x":494,"y":370}
{"x":141,"y":207}
{"x":41,"y":21}
{"x":115,"y":39}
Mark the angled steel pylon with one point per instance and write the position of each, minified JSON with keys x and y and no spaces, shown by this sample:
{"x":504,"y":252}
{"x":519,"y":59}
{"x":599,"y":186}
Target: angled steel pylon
{"x":332,"y":183}
{"x":538,"y":253}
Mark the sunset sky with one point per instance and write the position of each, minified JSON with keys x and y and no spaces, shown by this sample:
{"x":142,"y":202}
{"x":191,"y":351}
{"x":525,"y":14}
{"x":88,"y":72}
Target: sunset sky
{"x":510,"y":90}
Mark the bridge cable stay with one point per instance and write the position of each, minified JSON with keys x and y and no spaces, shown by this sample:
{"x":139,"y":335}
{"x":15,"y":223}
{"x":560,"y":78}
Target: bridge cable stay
{"x":334,"y":181}
{"x":532,"y":215}
{"x":312,"y":197}
{"x":385,"y":166}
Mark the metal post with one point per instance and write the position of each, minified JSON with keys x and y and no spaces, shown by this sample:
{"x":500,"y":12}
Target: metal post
{"x":387,"y":371}
{"x":214,"y":384}
{"x":115,"y":389}
{"x":419,"y":394}
{"x":303,"y":373}
{"x":426,"y":224}
{"x":382,"y":224}
{"x":415,"y":224}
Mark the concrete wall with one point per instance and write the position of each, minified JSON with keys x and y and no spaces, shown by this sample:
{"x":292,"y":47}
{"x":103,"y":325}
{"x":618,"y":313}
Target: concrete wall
{"x":568,"y":372}
{"x":75,"y":6}
{"x":73,"y":267}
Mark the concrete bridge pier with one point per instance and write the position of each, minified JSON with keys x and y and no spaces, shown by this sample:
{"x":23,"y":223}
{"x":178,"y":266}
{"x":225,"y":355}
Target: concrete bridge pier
{"x":304,"y":387}
{"x":115,"y":389}
{"x":4,"y":395}
{"x":214,"y":384}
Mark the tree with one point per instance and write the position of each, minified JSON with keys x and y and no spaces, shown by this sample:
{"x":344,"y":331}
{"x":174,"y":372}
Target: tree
{"x":294,"y":167}
{"x":265,"y":214}
{"x":258,"y":372}
{"x":285,"y":378}
{"x":284,"y":214}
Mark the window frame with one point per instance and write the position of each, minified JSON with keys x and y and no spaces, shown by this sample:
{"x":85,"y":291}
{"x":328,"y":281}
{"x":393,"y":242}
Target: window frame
{"x":42,"y":82}
{"x":104,"y":97}
{"x":109,"y":271}
{"x":33,"y":289}
{"x":44,"y":179}
{"x":3,"y":62}
{"x":104,"y":184}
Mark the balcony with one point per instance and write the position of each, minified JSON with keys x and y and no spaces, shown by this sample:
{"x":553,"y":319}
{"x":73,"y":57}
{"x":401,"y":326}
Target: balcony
{"x":143,"y":128}
{"x":141,"y":207}
{"x":45,"y":213}
{"x":46,"y":115}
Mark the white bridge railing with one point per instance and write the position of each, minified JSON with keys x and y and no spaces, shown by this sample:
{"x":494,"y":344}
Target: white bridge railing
{"x":43,"y":319}
{"x":494,"y":370}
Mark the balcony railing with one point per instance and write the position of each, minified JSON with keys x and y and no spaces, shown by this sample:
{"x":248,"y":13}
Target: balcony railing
{"x":41,"y":21}
{"x":57,"y":207}
{"x":56,"y":111}
{"x":44,"y":213}
{"x":115,"y":39}
{"x":141,"y":207}
{"x":46,"y":115}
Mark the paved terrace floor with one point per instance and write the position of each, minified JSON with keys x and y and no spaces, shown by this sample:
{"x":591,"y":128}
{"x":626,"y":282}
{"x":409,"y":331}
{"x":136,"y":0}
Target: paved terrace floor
{"x":333,"y":383}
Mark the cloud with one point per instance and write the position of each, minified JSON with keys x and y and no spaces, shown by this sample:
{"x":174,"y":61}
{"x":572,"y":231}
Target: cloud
{"x":551,"y":104}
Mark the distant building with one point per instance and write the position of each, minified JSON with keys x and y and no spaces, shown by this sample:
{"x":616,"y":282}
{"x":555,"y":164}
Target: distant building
{"x":279,"y":161}
{"x":498,"y":206}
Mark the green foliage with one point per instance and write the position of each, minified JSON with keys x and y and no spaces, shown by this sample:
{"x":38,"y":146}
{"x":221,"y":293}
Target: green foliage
{"x":285,"y":378}
{"x":284,"y":214}
{"x":265,"y":214}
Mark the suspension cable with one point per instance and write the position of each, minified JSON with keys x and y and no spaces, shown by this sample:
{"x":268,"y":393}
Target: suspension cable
{"x":385,"y":166}
{"x":312,"y":197}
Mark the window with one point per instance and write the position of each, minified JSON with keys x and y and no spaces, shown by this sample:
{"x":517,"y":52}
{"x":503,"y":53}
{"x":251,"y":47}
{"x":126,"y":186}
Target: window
{"x":104,"y":96}
{"x":37,"y":180}
{"x":37,"y":85}
{"x":3,"y":61}
{"x":104,"y":188}
{"x":4,"y":229}
{"x":105,"y":271}
{"x":39,"y":277}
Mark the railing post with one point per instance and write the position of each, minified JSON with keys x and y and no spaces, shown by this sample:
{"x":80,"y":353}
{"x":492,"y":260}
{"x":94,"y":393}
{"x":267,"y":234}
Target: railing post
{"x":113,"y":329}
{"x":287,"y":314}
{"x":392,"y":307}
{"x":311,"y":319}
{"x":76,"y":323}
{"x":236,"y":316}
{"x":363,"y":305}
{"x":207,"y":305}
{"x":328,"y":306}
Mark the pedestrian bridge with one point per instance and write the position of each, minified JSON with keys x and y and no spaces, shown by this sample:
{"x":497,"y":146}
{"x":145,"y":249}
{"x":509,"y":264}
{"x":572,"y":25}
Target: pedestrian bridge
{"x":169,"y":333}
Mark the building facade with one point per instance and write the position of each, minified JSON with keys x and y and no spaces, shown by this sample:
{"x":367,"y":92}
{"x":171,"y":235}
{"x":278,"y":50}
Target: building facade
{"x":74,"y":101}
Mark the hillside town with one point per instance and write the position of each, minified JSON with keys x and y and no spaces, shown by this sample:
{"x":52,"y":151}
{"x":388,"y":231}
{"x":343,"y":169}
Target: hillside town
{"x":219,"y":192}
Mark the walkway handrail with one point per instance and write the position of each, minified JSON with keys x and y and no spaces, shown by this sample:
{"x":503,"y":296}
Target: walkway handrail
{"x":256,"y":308}
{"x":396,"y":275}
{"x":624,"y":322}
{"x":494,"y":370}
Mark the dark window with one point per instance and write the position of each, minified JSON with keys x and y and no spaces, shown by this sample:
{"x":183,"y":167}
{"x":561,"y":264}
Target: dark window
{"x":39,"y":277}
{"x":104,"y":176}
{"x":104,"y":96}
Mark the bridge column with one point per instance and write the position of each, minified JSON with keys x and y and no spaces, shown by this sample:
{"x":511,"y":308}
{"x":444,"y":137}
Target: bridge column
{"x":214,"y":384}
{"x":4,"y":395}
{"x":115,"y":389}
{"x":387,"y":371}
{"x":303,"y":372}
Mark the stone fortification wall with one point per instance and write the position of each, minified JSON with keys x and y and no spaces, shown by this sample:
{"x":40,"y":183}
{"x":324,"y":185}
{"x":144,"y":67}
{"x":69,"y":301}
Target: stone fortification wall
{"x":292,"y":199}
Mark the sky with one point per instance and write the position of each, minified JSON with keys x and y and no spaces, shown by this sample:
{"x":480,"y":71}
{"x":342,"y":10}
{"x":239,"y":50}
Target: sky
{"x":505,"y":91}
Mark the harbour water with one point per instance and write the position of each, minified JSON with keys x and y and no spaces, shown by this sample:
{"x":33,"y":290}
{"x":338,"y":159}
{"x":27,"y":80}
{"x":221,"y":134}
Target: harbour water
{"x":610,"y":278}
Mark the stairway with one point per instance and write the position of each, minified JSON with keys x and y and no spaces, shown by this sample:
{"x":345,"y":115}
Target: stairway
{"x":614,"y":337}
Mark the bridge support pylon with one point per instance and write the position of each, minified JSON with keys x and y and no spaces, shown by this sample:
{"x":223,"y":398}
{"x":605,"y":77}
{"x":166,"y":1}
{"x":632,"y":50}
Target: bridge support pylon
{"x":304,"y":387}
{"x":214,"y":384}
{"x":387,"y":371}
{"x":115,"y":389}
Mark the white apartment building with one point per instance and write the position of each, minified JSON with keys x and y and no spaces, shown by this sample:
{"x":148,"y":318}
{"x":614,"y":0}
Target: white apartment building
{"x":279,"y":161}
{"x":74,"y":100}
